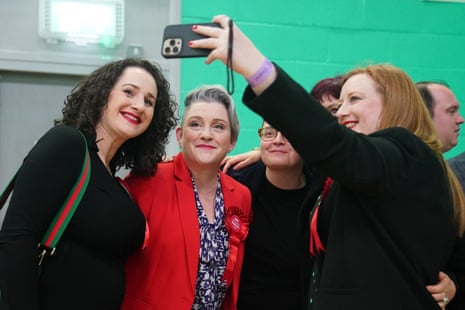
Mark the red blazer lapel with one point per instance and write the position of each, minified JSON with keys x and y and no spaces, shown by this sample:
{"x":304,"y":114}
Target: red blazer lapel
{"x":188,"y":217}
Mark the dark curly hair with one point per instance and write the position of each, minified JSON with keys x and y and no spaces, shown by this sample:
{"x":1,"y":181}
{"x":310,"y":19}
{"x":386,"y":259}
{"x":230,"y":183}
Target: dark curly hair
{"x":84,"y":109}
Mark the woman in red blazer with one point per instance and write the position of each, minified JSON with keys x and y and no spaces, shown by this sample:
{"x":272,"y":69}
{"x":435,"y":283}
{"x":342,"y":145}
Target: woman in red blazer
{"x":197,"y":216}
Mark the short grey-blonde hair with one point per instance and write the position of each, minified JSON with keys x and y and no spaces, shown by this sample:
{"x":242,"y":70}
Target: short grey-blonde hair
{"x":214,"y":93}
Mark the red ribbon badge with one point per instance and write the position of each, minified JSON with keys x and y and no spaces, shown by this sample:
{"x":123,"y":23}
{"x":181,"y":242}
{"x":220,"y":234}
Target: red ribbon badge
{"x":237,"y":224}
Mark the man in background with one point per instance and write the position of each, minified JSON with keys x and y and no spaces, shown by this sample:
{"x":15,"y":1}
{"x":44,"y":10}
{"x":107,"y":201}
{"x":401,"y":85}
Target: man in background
{"x":444,"y":109}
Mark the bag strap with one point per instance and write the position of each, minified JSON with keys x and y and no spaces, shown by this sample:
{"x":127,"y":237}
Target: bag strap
{"x":67,"y":209}
{"x":66,"y":212}
{"x":7,"y":191}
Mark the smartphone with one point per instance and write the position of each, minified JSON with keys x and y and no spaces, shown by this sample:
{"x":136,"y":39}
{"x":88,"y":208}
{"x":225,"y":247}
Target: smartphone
{"x":175,"y":43}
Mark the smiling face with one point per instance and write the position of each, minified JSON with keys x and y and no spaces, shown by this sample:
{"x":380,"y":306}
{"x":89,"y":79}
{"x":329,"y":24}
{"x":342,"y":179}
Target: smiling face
{"x":277,"y":152}
{"x":130,"y":106}
{"x":446,"y":116}
{"x":205,"y":134}
{"x":361,"y":105}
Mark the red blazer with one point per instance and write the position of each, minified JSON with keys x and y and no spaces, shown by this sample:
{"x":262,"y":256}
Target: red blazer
{"x":163,"y":275}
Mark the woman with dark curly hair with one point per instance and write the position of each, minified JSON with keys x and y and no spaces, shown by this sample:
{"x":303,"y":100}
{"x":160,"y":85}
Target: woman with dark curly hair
{"x":125,"y":111}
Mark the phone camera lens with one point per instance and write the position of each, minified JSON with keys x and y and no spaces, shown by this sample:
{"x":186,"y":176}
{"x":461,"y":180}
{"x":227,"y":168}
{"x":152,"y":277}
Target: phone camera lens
{"x":167,"y":50}
{"x":172,"y":42}
{"x":175,"y":49}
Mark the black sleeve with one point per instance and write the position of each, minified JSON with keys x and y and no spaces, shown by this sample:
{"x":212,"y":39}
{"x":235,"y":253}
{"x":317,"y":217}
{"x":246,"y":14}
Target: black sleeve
{"x":370,"y":163}
{"x":456,"y":271}
{"x":46,"y":177}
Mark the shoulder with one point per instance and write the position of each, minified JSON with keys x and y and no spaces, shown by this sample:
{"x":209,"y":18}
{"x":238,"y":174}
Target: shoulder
{"x":62,"y":139}
{"x":395,"y":133}
{"x":249,"y":175}
{"x":64,"y":134}
{"x":234,"y":190}
{"x":146,"y":185}
{"x":457,"y":160}
{"x":60,"y":147}
{"x":407,"y":158}
{"x":404,"y":141}
{"x":56,"y":159}
{"x":457,"y":164}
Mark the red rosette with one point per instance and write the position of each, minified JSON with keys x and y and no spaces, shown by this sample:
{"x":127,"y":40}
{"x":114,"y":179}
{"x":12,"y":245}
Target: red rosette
{"x":237,"y":222}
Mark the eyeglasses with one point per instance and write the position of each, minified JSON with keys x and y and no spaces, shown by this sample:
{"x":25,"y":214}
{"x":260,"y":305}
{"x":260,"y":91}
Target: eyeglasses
{"x":269,"y":133}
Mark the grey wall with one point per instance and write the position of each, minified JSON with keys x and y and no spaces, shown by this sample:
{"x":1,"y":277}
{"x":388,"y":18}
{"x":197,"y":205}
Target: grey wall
{"x":36,"y":76}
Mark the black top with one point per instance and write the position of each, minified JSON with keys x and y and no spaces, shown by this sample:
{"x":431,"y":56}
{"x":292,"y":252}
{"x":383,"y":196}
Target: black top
{"x":271,"y":277}
{"x":87,"y":270}
{"x":388,"y":216}
{"x":457,"y":262}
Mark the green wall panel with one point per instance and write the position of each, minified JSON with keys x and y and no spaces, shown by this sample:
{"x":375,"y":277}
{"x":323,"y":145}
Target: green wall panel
{"x":314,"y":39}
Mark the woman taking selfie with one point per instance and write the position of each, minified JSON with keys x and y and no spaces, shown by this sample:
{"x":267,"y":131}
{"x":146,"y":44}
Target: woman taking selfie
{"x":385,"y":222}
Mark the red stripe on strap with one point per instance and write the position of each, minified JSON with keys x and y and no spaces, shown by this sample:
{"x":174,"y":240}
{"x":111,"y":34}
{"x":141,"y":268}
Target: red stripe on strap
{"x":67,"y":210}
{"x":316,"y":246}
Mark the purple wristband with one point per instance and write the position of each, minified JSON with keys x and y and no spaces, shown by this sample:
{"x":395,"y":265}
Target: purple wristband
{"x":261,"y":74}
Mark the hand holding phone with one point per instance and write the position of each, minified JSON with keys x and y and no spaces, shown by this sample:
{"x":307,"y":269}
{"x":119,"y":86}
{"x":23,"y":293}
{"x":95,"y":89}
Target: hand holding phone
{"x":175,"y":43}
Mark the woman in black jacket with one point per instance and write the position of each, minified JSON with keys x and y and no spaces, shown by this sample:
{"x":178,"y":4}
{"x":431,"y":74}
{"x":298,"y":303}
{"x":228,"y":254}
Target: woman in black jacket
{"x":385,"y":223}
{"x":125,"y":112}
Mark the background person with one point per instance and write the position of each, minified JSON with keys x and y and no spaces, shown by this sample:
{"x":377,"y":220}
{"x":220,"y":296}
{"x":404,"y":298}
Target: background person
{"x":271,"y":276}
{"x":327,"y":92}
{"x":125,"y":111}
{"x":444,"y":109}
{"x":198,"y":217}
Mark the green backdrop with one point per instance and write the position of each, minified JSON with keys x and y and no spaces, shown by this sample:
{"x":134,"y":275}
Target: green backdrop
{"x":314,"y":39}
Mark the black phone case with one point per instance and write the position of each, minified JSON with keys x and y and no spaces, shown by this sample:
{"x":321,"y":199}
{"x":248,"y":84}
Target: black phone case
{"x":175,"y":43}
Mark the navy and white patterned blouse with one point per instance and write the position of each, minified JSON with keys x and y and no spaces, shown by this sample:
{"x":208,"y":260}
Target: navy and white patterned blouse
{"x":210,"y":290}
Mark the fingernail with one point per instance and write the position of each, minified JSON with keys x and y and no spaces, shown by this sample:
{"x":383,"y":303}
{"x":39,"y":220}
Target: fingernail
{"x":194,"y":27}
{"x":190,"y":43}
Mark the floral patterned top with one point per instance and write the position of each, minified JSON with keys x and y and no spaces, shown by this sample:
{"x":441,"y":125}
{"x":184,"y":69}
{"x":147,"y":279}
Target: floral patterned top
{"x":210,"y":289}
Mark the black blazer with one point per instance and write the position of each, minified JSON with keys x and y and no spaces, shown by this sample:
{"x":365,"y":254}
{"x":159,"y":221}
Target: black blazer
{"x":387,"y":221}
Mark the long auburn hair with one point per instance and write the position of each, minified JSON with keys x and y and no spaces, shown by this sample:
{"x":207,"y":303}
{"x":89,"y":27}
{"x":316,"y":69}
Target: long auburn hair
{"x":404,"y":107}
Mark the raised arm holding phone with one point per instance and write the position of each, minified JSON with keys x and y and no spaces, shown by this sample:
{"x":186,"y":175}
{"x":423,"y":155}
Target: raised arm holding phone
{"x":386,"y":224}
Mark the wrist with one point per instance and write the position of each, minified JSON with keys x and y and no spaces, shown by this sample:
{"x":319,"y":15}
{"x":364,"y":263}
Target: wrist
{"x":261,"y":74}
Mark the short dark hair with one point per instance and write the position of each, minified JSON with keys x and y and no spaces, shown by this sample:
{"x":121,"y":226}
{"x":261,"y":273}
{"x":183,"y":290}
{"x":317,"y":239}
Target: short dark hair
{"x":85,"y":104}
{"x":426,"y":93}
{"x":328,"y":87}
